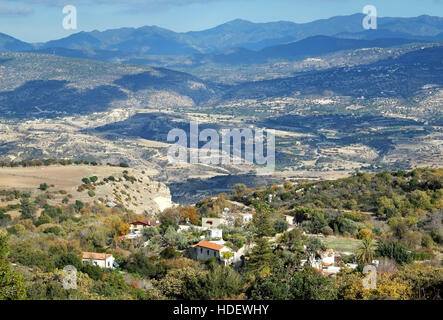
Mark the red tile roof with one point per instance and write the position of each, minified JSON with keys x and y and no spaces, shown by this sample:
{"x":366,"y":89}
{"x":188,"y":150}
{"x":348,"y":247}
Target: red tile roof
{"x":209,"y":245}
{"x":145,"y":223}
{"x":96,"y":256}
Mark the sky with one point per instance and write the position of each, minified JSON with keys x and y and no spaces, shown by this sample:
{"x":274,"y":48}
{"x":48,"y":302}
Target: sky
{"x":41,"y":20}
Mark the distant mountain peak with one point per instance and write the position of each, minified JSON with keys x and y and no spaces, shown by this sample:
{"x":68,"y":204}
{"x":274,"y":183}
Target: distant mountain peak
{"x":238,"y":21}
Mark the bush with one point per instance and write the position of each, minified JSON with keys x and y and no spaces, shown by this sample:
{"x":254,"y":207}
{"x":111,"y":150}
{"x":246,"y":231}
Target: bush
{"x":43,"y":186}
{"x":94,"y":272}
{"x":348,"y":226}
{"x":139,"y":263}
{"x":169,"y":253}
{"x":364,"y":233}
{"x":148,"y":233}
{"x":54,"y":230}
{"x":5,"y":219}
{"x":67,"y":259}
{"x":327,"y":231}
{"x":114,"y":285}
{"x":34,"y":258}
{"x":280,"y":226}
{"x":78,"y":205}
{"x":43,"y":219}
{"x":91,"y":193}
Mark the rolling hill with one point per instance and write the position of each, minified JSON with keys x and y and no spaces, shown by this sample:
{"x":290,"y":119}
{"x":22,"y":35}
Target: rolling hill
{"x":310,"y":47}
{"x":402,"y":77}
{"x":39,"y":85}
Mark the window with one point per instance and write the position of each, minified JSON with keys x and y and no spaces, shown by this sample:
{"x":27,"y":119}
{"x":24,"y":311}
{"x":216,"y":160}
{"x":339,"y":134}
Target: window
{"x":215,"y":254}
{"x":208,"y":252}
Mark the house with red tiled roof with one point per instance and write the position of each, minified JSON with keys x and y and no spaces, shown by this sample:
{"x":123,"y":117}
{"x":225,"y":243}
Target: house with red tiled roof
{"x":205,"y":250}
{"x":103,"y":260}
{"x":137,"y":227}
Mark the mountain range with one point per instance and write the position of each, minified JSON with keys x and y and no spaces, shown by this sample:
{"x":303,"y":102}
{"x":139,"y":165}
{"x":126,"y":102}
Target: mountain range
{"x":153,"y":40}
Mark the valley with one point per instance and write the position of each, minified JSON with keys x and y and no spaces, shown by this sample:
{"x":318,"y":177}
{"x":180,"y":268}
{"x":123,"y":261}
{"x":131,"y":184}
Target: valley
{"x":245,"y":161}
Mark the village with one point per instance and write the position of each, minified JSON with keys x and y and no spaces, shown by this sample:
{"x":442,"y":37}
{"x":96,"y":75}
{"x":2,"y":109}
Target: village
{"x":212,"y":245}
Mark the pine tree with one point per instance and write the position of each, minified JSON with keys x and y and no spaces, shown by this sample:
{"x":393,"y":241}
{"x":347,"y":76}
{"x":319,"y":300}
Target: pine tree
{"x":263,"y":226}
{"x":261,"y":257}
{"x":27,"y":209}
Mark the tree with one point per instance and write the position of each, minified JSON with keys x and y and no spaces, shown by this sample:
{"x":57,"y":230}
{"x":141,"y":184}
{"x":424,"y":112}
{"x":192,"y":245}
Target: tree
{"x":312,"y":285}
{"x":78,"y":205}
{"x":148,"y":233}
{"x":140,"y":263}
{"x":293,"y":240}
{"x":280,"y":225}
{"x":66,"y":259}
{"x":191,"y":214}
{"x":219,"y":283}
{"x":175,"y":238}
{"x":261,"y":257}
{"x":27,"y":209}
{"x":239,"y":191}
{"x":394,"y":250}
{"x":426,"y":280}
{"x":366,"y":252}
{"x":169,"y":253}
{"x":307,"y":284}
{"x":114,"y":285}
{"x":313,"y":245}
{"x":263,"y":226}
{"x":12,"y":286}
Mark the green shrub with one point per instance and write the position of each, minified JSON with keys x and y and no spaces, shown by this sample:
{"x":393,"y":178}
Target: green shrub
{"x":43,"y":186}
{"x":67,"y":259}
{"x":54,"y":230}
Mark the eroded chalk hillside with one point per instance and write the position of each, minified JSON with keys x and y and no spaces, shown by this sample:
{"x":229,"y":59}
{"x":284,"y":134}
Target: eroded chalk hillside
{"x":107,"y":185}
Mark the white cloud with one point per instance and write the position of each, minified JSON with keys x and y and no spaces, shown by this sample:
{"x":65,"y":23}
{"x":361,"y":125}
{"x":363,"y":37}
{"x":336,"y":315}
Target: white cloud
{"x":15,"y":11}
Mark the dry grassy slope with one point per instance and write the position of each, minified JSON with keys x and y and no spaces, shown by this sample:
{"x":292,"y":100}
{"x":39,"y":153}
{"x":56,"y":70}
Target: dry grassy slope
{"x":144,"y":195}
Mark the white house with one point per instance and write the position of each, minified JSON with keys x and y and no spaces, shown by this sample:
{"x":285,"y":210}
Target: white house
{"x":103,"y":260}
{"x":137,"y":227}
{"x":326,"y":262}
{"x":327,"y":257}
{"x":205,"y":250}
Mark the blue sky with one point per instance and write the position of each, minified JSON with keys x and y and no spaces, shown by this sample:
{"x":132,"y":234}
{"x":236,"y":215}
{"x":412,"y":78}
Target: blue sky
{"x":41,"y":20}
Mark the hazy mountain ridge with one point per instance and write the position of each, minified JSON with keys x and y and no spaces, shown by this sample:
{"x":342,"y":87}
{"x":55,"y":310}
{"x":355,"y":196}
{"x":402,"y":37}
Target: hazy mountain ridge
{"x":154,"y":40}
